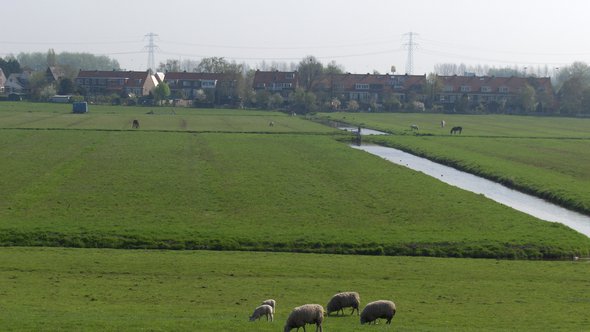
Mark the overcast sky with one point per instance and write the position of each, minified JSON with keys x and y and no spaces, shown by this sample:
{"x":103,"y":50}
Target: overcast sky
{"x":362,"y":36}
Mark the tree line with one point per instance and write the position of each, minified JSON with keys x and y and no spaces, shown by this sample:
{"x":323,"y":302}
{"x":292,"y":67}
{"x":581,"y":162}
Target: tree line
{"x":571,"y":83}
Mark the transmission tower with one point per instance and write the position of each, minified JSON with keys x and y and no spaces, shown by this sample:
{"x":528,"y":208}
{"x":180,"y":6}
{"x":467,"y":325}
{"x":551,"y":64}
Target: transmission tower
{"x":410,"y":44}
{"x":151,"y":48}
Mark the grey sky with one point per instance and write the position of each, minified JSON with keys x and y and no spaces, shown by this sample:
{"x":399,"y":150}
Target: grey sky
{"x":360,"y":35}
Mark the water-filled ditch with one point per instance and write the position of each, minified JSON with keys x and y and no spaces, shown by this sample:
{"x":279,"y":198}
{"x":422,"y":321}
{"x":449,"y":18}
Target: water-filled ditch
{"x":532,"y":205}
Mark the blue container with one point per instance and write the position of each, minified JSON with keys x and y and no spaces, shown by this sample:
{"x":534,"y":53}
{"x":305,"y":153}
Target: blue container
{"x":80,"y":107}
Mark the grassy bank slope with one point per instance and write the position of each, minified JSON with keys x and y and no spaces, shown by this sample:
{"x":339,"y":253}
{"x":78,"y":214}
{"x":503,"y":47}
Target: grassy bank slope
{"x":108,"y":290}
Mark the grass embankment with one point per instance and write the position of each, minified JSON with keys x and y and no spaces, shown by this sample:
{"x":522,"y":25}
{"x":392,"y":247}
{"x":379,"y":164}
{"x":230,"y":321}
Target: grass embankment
{"x":247,"y":192}
{"x":546,"y":157}
{"x":135,"y":290}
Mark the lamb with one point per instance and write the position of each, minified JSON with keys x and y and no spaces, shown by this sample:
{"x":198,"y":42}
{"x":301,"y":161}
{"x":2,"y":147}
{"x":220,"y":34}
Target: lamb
{"x":261,"y":310}
{"x":271,"y":303}
{"x":378,"y":309}
{"x":342,"y":300}
{"x":305,"y":314}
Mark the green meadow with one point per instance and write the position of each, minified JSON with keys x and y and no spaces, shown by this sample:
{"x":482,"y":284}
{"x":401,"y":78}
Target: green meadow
{"x":548,"y":157}
{"x":247,"y":191}
{"x":288,"y":211}
{"x":56,"y":289}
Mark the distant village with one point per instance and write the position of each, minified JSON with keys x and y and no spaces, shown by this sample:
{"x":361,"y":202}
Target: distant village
{"x":296,"y":91}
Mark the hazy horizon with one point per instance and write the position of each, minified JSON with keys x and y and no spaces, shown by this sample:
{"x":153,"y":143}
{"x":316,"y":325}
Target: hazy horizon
{"x":362,"y":37}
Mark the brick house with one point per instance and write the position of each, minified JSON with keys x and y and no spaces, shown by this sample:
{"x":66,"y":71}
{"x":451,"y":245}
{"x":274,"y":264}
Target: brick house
{"x":280,"y":82}
{"x":490,"y":89}
{"x":369,"y":88}
{"x":96,"y":82}
{"x":218,"y":88}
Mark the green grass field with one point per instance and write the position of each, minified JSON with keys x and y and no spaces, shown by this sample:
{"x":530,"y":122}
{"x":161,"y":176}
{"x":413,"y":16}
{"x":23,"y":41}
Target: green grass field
{"x":136,"y":290}
{"x":546,"y":156}
{"x":473,"y":125}
{"x":248,"y":192}
{"x":226,"y":180}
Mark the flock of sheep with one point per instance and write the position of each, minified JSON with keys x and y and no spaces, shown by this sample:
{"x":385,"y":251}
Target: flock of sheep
{"x":314,"y":313}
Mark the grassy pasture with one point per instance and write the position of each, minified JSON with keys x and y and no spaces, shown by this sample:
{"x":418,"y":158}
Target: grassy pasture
{"x":142,"y":189}
{"x":545,"y":156}
{"x":133,"y":290}
{"x":60,"y":116}
{"x":473,"y":125}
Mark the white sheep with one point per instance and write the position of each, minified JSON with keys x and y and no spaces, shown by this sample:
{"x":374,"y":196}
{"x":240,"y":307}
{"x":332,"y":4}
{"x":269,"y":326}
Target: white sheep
{"x":263,"y":310}
{"x":343,"y":300}
{"x":378,"y":309}
{"x":305,"y":314}
{"x":271,"y":303}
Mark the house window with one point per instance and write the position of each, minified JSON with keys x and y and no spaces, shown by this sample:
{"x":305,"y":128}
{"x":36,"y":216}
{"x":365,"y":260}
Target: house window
{"x":208,"y":84}
{"x":448,"y":88}
{"x":186,"y":83}
{"x":486,"y":89}
{"x":465,"y":88}
{"x":503,"y":89}
{"x":290,"y":76}
{"x":360,"y":86}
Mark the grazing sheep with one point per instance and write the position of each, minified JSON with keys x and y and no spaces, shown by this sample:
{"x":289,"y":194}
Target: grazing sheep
{"x":343,"y":300}
{"x":305,"y":314}
{"x":414,"y":127}
{"x":271,"y":303}
{"x":378,"y":309}
{"x":263,"y":310}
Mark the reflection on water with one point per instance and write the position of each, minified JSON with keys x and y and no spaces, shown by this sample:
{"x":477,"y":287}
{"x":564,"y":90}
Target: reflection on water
{"x":528,"y":204}
{"x":364,"y":131}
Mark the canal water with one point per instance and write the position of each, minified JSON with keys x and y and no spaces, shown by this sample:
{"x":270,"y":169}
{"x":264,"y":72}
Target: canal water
{"x":526,"y":203}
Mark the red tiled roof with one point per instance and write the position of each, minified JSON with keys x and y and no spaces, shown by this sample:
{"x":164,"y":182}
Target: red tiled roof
{"x":513,"y":83}
{"x":275,"y":77}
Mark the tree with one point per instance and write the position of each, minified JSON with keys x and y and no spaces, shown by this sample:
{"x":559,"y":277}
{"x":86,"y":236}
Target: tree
{"x":218,"y":65}
{"x":171,"y":65}
{"x":333,"y":68}
{"x":51,"y":58}
{"x":10,"y":66}
{"x":527,"y":98}
{"x":275,"y":101}
{"x":309,"y":70}
{"x":161,"y":92}
{"x":37,"y":82}
{"x":391,"y":102}
{"x":71,"y":61}
{"x":573,"y":81}
{"x":65,"y":86}
{"x":352,"y":105}
{"x":303,"y":101}
{"x":433,"y":87}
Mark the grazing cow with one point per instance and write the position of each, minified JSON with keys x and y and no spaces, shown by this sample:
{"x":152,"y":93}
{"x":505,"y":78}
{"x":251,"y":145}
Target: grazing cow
{"x":135,"y":124}
{"x":456,"y":130}
{"x":414,"y":127}
{"x":443,"y":123}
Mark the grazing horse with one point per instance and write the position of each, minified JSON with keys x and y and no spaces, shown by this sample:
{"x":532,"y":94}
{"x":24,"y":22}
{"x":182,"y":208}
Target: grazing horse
{"x":414,"y":127}
{"x":135,"y":124}
{"x":456,"y":130}
{"x":443,"y":123}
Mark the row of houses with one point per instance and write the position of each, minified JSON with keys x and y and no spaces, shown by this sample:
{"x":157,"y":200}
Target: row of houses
{"x":220,"y":88}
{"x":375,"y":88}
